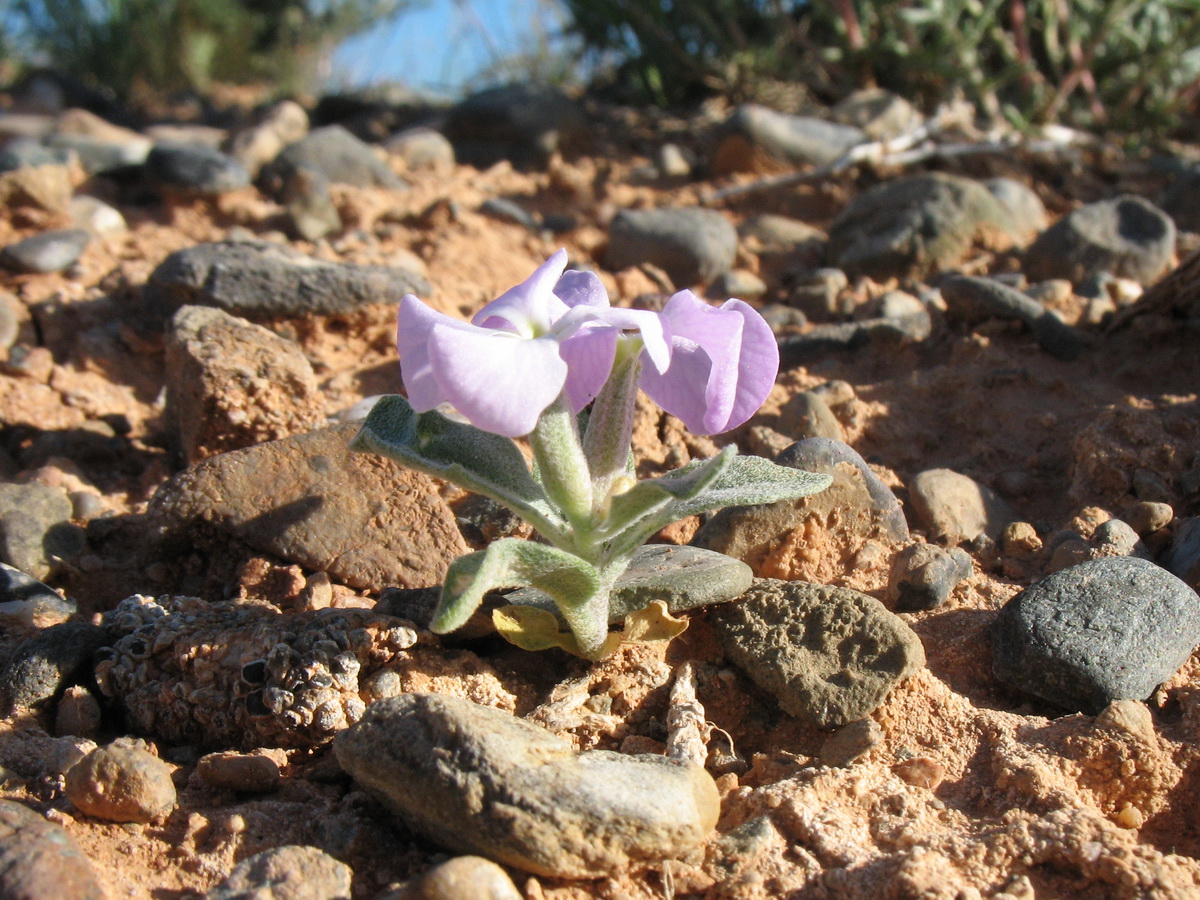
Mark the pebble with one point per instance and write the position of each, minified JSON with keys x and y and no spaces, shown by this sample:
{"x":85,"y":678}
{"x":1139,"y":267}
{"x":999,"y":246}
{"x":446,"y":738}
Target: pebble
{"x":96,"y":216}
{"x":78,"y":713}
{"x":39,"y":666}
{"x":818,"y":293}
{"x":684,"y":578}
{"x":367,"y":521}
{"x":690,"y":244}
{"x":282,"y":124}
{"x":917,"y":225}
{"x":1020,"y":540}
{"x":1131,"y":716}
{"x":921,"y":771}
{"x":857,"y":506}
{"x":738,"y":283}
{"x":955,"y":509}
{"x":1126,"y":236}
{"x":121,"y":783}
{"x":504,"y":210}
{"x":975,"y":299}
{"x":336,"y":155}
{"x":421,"y":148}
{"x":311,"y":211}
{"x":850,"y":743}
{"x":829,"y":655}
{"x":233,"y":384}
{"x":879,"y":113}
{"x":525,"y":124}
{"x":233,"y":771}
{"x":195,"y":169}
{"x":36,"y":533}
{"x":1024,"y":207}
{"x":260,"y":279}
{"x":464,"y":878}
{"x":478,"y":780}
{"x":98,"y":155}
{"x":923,"y":575}
{"x":291,"y":872}
{"x":1104,"y":630}
{"x":774,"y":233}
{"x":26,"y":600}
{"x":672,"y":161}
{"x":806,"y":415}
{"x":12,"y":313}
{"x":1146,"y":517}
{"x":1183,"y":556}
{"x":23,"y":153}
{"x":796,"y":140}
{"x":49,"y":251}
{"x":39,"y":860}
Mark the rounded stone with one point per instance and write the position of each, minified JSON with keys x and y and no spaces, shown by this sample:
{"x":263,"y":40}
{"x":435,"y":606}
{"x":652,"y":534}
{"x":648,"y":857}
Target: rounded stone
{"x":121,"y":784}
{"x":239,"y":772}
{"x":478,"y":780}
{"x":50,"y":251}
{"x":466,"y":878}
{"x":691,"y":245}
{"x":1103,"y":630}
{"x":39,"y":860}
{"x":955,"y":509}
{"x":923,"y":575}
{"x":291,"y":872}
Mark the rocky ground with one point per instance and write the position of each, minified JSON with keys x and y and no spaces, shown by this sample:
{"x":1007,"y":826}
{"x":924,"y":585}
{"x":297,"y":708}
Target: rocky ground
{"x":191,"y":319}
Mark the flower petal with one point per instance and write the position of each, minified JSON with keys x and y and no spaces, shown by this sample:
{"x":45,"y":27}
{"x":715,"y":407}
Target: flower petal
{"x":531,"y":308}
{"x":589,"y":355}
{"x":653,"y":327}
{"x":499,"y":382}
{"x":579,"y":288}
{"x":415,"y":323}
{"x":723,"y":363}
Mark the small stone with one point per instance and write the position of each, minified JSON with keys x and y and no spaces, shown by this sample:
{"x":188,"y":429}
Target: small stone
{"x":1183,"y":556}
{"x":1126,"y":236}
{"x":921,"y":771}
{"x":1103,"y":630}
{"x":40,"y":860}
{"x":829,"y":655}
{"x":50,"y":251}
{"x":233,"y":384}
{"x":311,"y":210}
{"x":772,"y":232}
{"x":291,"y":872}
{"x":36,"y":532}
{"x":1023,"y":205}
{"x":672,"y":162}
{"x":690,"y":244}
{"x":806,"y":415}
{"x":955,"y":509}
{"x":879,"y":113}
{"x":99,"y":155}
{"x":465,"y":878}
{"x":78,"y":713}
{"x":505,"y":210}
{"x":284,"y":123}
{"x":12,"y":312}
{"x":917,"y":225}
{"x":97,"y":216}
{"x":1146,"y":517}
{"x":796,"y":140}
{"x":239,"y":772}
{"x":368,"y":522}
{"x":40,"y":666}
{"x":523,"y":123}
{"x":817,"y":293}
{"x":976,"y":299}
{"x":906,"y":316}
{"x":195,"y":169}
{"x":923,"y":575}
{"x":737,"y":283}
{"x":1020,"y":540}
{"x":121,"y":783}
{"x":335,"y":154}
{"x":850,"y":742}
{"x":421,"y":148}
{"x":260,"y":280}
{"x":478,"y":780}
{"x":1131,"y":716}
{"x":28,"y":601}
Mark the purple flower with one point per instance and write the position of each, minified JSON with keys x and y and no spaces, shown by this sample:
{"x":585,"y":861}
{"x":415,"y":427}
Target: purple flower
{"x":555,"y":333}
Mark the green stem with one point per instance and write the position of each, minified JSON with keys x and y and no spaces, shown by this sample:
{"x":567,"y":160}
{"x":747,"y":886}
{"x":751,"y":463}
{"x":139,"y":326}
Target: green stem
{"x":562,"y":466}
{"x":610,"y":426}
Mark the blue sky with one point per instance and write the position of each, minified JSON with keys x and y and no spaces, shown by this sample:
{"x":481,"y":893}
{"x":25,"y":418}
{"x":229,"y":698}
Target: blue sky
{"x":442,"y":45}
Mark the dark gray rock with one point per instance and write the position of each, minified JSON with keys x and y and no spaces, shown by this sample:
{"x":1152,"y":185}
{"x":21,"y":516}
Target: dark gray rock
{"x":50,"y":251}
{"x":27,"y":600}
{"x":1126,"y":236}
{"x":975,"y":299}
{"x":1183,"y":556}
{"x":691,"y":245}
{"x":683,"y":577}
{"x":914,"y":226}
{"x":291,"y":872}
{"x":26,"y":152}
{"x":955,"y":509}
{"x":829,"y":655}
{"x":856,"y":507}
{"x":262,"y":280}
{"x":523,"y":123}
{"x":195,"y":169}
{"x":367,"y":521}
{"x":36,"y":532}
{"x":478,"y":780}
{"x":40,"y":860}
{"x":42,"y":665}
{"x":1104,"y":630}
{"x":923,"y":575}
{"x":797,"y":140}
{"x":335,"y":154}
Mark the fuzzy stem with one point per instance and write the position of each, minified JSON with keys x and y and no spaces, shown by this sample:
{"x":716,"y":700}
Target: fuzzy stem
{"x":610,"y":426}
{"x":562,"y":466}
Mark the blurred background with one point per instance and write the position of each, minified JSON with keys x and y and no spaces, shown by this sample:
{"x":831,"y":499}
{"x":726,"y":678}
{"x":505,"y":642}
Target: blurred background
{"x":1132,"y":65}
